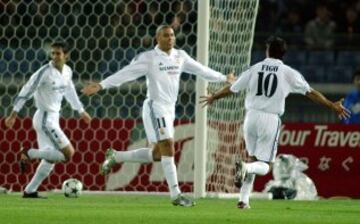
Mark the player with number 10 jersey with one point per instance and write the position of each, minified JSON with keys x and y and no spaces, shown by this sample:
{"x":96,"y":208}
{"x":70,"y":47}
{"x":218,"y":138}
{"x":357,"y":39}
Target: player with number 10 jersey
{"x":268,"y":83}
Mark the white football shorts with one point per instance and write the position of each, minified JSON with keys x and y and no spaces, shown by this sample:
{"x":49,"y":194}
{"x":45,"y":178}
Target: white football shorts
{"x":158,"y":120}
{"x":261,"y":133}
{"x":48,"y":131}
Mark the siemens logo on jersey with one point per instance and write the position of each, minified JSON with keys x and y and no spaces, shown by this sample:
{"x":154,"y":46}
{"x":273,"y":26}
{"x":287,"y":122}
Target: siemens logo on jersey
{"x":169,"y":68}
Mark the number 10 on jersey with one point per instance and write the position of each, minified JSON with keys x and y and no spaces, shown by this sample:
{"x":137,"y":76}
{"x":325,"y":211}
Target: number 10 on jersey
{"x":265,"y":87}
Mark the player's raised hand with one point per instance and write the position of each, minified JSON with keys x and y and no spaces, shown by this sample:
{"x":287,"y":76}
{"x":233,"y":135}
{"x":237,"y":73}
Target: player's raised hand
{"x":342,"y":112}
{"x":91,"y":88}
{"x":206,"y":100}
{"x":212,"y":97}
{"x":86,"y":117}
{"x":230,"y":78}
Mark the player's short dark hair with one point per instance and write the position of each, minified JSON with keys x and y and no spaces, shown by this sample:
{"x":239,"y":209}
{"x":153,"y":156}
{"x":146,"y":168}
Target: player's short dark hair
{"x":276,"y":47}
{"x":162,"y":27}
{"x":61,"y":44}
{"x":356,"y":73}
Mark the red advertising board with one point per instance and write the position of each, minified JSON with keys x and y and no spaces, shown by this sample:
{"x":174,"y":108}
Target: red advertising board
{"x":332,"y":152}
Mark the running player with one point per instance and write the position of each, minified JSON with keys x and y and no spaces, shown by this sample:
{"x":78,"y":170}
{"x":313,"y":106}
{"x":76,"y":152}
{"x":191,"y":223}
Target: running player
{"x":48,"y":85}
{"x":267,"y":84}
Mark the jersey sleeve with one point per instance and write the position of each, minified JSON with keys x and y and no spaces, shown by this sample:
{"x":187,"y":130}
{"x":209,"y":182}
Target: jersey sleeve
{"x":193,"y":67}
{"x":349,"y":100}
{"x":138,"y":67}
{"x":296,"y":82}
{"x":242,"y":82}
{"x":72,"y":98}
{"x":28,"y":90}
{"x":347,"y":104}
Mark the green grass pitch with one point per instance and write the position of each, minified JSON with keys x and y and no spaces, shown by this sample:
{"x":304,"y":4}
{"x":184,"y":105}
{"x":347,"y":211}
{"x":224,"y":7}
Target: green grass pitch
{"x":102,"y":209}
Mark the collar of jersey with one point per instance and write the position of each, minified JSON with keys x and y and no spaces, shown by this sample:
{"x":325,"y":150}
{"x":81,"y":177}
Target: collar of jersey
{"x":53,"y":67}
{"x":160,"y":52}
{"x":274,"y":59}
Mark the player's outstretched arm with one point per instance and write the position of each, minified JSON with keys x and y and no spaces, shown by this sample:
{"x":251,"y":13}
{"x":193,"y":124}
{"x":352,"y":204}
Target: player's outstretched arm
{"x":91,"y":88}
{"x":337,"y":106}
{"x":230,"y":78}
{"x":10,"y":120}
{"x":209,"y":99}
{"x":340,"y":110}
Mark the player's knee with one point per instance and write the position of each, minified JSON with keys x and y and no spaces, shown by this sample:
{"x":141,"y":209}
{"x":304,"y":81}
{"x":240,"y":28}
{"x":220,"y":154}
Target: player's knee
{"x":157,"y":157}
{"x":252,"y":159}
{"x":69,"y":156}
{"x":270,"y":167}
{"x":68,"y":152}
{"x":166,"y":147}
{"x":156,"y":154}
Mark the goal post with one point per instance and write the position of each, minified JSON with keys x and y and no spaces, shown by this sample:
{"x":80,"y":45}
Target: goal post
{"x":200,"y":113}
{"x":225,"y":38}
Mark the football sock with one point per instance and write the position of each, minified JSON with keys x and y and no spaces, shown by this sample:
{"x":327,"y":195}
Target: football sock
{"x":143,"y":155}
{"x":168,"y":165}
{"x":41,"y":173}
{"x":258,"y":167}
{"x":246,"y":188}
{"x":49,"y":154}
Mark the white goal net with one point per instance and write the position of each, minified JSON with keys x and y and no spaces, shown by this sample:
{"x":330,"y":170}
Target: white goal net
{"x":231,"y":36}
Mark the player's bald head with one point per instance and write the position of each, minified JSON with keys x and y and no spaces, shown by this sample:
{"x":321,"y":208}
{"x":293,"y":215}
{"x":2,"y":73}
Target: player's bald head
{"x":276,"y":47}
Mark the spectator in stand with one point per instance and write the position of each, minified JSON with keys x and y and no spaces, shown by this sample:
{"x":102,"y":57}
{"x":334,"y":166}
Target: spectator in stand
{"x":352,"y":101}
{"x":293,"y":25}
{"x":319,"y":32}
{"x":267,"y":16}
{"x":350,"y":28}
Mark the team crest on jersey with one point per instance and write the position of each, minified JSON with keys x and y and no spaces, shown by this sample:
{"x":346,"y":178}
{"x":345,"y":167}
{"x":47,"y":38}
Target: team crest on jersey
{"x":178,"y":59}
{"x":162,"y":131}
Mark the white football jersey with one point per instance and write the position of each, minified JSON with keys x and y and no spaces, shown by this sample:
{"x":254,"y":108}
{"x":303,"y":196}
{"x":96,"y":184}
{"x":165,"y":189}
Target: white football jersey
{"x":49,"y":86}
{"x":162,"y":73}
{"x":268,"y":83}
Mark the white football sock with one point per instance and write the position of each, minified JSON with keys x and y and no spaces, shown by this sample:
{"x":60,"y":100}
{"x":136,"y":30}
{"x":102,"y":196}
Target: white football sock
{"x":143,"y":155}
{"x":258,"y":167}
{"x":246,"y":188}
{"x":168,"y":165}
{"x":42,"y":171}
{"x":48,"y":154}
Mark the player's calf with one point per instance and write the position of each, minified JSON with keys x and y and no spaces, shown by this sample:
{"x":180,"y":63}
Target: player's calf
{"x":240,"y":173}
{"x":24,"y":159}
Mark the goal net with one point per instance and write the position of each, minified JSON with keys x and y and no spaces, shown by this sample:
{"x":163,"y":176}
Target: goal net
{"x":104,"y":36}
{"x":231,"y":36}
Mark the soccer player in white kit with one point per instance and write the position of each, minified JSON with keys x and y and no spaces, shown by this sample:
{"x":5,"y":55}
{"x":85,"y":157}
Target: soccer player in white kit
{"x":162,"y":67}
{"x":267,"y":84}
{"x":48,"y":85}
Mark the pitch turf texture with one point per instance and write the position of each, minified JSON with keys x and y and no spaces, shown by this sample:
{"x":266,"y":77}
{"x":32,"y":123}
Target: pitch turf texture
{"x":112,"y":209}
